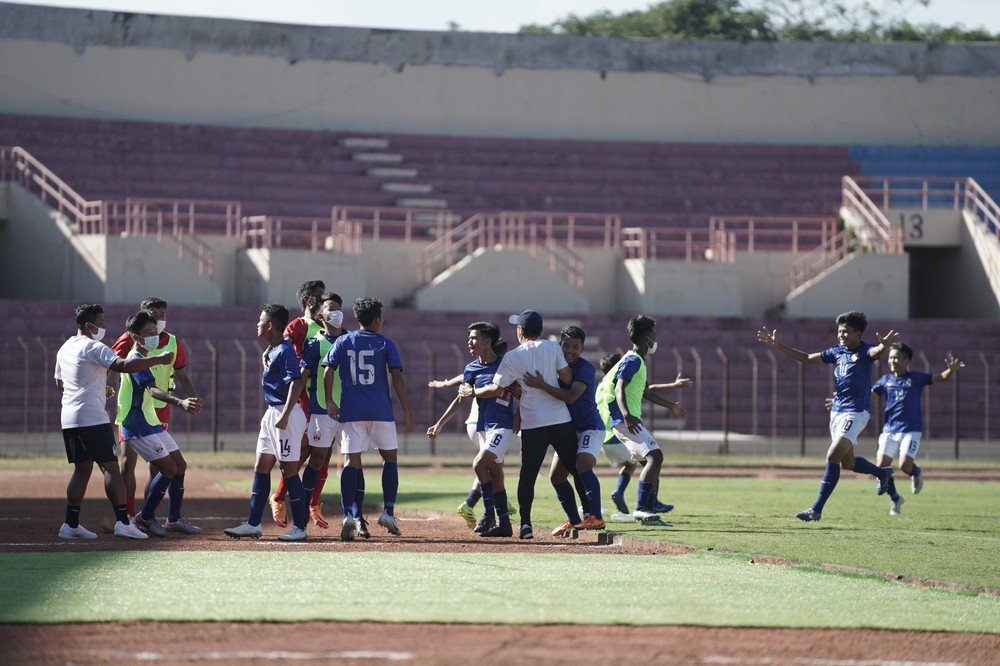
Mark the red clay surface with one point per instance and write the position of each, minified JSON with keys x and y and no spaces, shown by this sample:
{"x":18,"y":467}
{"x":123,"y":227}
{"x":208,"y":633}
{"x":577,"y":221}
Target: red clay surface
{"x":215,"y":507}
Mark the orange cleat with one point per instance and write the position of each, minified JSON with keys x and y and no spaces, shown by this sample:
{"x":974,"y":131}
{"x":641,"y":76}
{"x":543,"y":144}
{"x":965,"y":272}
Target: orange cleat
{"x":590,"y":523}
{"x":563,"y":529}
{"x":278,"y":512}
{"x":317,"y":516}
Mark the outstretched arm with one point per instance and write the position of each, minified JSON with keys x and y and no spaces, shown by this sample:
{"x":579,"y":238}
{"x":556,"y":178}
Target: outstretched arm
{"x":189,"y":405}
{"x":679,"y":383}
{"x":435,"y":429}
{"x":445,"y":383}
{"x":954,"y":365}
{"x":770,"y":338}
{"x":674,"y":407}
{"x":883,"y":343}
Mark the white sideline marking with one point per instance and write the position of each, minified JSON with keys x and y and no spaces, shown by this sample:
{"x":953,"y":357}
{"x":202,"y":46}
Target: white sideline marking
{"x":61,"y":542}
{"x":270,"y":655}
{"x":811,"y":661}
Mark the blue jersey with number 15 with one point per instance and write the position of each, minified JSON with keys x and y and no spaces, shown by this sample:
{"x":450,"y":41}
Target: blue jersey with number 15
{"x":364,"y":359}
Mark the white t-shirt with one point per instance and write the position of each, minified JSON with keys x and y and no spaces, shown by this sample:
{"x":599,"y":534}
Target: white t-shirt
{"x":82,"y":365}
{"x":538,"y":408}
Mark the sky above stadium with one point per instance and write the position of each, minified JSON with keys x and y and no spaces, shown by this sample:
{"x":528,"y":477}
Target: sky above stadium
{"x":474,"y":15}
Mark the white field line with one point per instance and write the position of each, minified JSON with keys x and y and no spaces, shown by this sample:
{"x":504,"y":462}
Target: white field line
{"x":266,"y":655}
{"x":819,"y":661}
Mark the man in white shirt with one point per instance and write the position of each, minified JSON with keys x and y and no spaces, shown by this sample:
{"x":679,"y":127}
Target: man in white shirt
{"x":545,"y":420}
{"x":82,"y":365}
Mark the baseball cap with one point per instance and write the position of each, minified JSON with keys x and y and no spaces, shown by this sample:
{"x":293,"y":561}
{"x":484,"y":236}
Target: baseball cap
{"x":529,"y":320}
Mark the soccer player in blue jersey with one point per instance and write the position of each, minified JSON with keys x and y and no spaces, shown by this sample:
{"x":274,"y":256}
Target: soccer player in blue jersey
{"x":142,"y":430}
{"x":366,"y":360}
{"x":853,"y":359}
{"x":281,"y":428}
{"x":904,"y":423}
{"x":494,"y":428}
{"x":580,"y":396}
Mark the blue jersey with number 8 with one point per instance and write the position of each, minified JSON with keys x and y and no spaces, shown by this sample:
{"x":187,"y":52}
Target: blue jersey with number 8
{"x":364,"y":359}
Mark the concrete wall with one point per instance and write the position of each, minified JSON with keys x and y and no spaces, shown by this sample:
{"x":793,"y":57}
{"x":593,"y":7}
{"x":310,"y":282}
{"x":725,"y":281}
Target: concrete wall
{"x":978,"y":293}
{"x":681,"y":288}
{"x":40,"y":257}
{"x":140,"y":266}
{"x":126,"y":66}
{"x":501,"y":280}
{"x":876,"y":284}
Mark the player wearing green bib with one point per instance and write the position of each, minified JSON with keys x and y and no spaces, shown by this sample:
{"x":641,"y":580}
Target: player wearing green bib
{"x":619,"y":401}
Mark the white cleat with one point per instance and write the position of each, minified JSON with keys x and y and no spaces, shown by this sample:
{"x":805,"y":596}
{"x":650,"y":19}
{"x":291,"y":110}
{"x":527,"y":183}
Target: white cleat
{"x":390,"y":523}
{"x":917,"y":483}
{"x":645,"y":516}
{"x":182,"y":526}
{"x":350,"y":529}
{"x":896,"y":507}
{"x":243,"y":531}
{"x":129,"y":531}
{"x":77,"y":533}
{"x":294,"y":534}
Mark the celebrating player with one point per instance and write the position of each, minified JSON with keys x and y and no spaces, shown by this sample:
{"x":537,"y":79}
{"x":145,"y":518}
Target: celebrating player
{"x":853,"y":376}
{"x":904,"y":423}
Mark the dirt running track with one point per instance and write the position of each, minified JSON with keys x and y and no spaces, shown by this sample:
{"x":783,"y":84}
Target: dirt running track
{"x":37,"y":522}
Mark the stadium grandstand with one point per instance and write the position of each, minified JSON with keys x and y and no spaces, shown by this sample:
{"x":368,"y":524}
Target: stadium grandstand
{"x":717,"y":187}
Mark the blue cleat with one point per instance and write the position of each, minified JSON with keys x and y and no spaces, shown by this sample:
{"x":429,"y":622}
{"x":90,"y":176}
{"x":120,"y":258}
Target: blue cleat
{"x":809,"y":515}
{"x":660,"y":507}
{"x":883,"y":482}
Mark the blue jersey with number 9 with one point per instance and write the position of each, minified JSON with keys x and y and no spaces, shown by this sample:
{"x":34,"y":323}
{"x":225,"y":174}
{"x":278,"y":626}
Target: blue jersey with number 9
{"x":364,"y":359}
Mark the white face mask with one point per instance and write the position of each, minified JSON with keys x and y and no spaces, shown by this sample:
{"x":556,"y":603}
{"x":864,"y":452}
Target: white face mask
{"x":335,"y":318}
{"x":151,"y":342}
{"x":652,"y":348}
{"x":100,"y":333}
{"x":161,"y":325}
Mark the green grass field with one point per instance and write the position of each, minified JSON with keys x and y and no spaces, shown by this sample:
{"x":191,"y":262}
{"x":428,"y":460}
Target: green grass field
{"x":948,"y":533}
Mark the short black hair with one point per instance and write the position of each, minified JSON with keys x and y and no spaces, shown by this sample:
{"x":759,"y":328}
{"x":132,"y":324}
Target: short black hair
{"x":139,"y":320}
{"x":276,"y":313}
{"x":903,"y":349}
{"x":574,"y":332}
{"x":305,"y":294}
{"x":856,"y":320}
{"x":87,"y":314}
{"x":489,"y":329}
{"x":367,"y":310}
{"x":331,"y":296}
{"x":152,"y":303}
{"x":609,"y":361}
{"x":639,"y":327}
{"x":500,"y":347}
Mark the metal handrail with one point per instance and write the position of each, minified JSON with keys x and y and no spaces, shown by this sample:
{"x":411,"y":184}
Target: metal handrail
{"x":885,"y":236}
{"x":134,"y":216}
{"x":925,"y":190}
{"x":982,"y":206}
{"x":823,"y":257}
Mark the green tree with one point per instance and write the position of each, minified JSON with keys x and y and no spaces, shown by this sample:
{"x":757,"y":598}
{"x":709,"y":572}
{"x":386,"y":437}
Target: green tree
{"x":765,"y":20}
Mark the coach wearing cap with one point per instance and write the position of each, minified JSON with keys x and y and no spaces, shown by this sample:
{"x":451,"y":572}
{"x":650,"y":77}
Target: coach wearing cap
{"x":544,"y":419}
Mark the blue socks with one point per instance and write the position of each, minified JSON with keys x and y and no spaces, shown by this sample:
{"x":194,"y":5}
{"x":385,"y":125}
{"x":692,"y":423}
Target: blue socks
{"x":564,"y":491}
{"x":623,"y":480}
{"x":309,"y":477}
{"x":359,"y":494}
{"x":348,"y":488}
{"x":474,"y":496}
{"x":390,"y":485}
{"x":500,"y":498}
{"x":830,"y":478}
{"x":644,"y":500}
{"x":176,"y":494}
{"x":489,"y":502}
{"x":297,"y":500}
{"x":593,"y":488}
{"x":864,"y":466}
{"x":157,"y":489}
{"x":258,"y":497}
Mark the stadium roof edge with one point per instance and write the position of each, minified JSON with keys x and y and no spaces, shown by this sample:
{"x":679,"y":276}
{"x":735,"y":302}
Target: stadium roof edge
{"x":84,"y":28}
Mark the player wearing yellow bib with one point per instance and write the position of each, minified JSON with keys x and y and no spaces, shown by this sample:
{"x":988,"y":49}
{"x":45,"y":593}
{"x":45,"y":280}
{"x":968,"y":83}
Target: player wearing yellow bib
{"x":619,"y":400}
